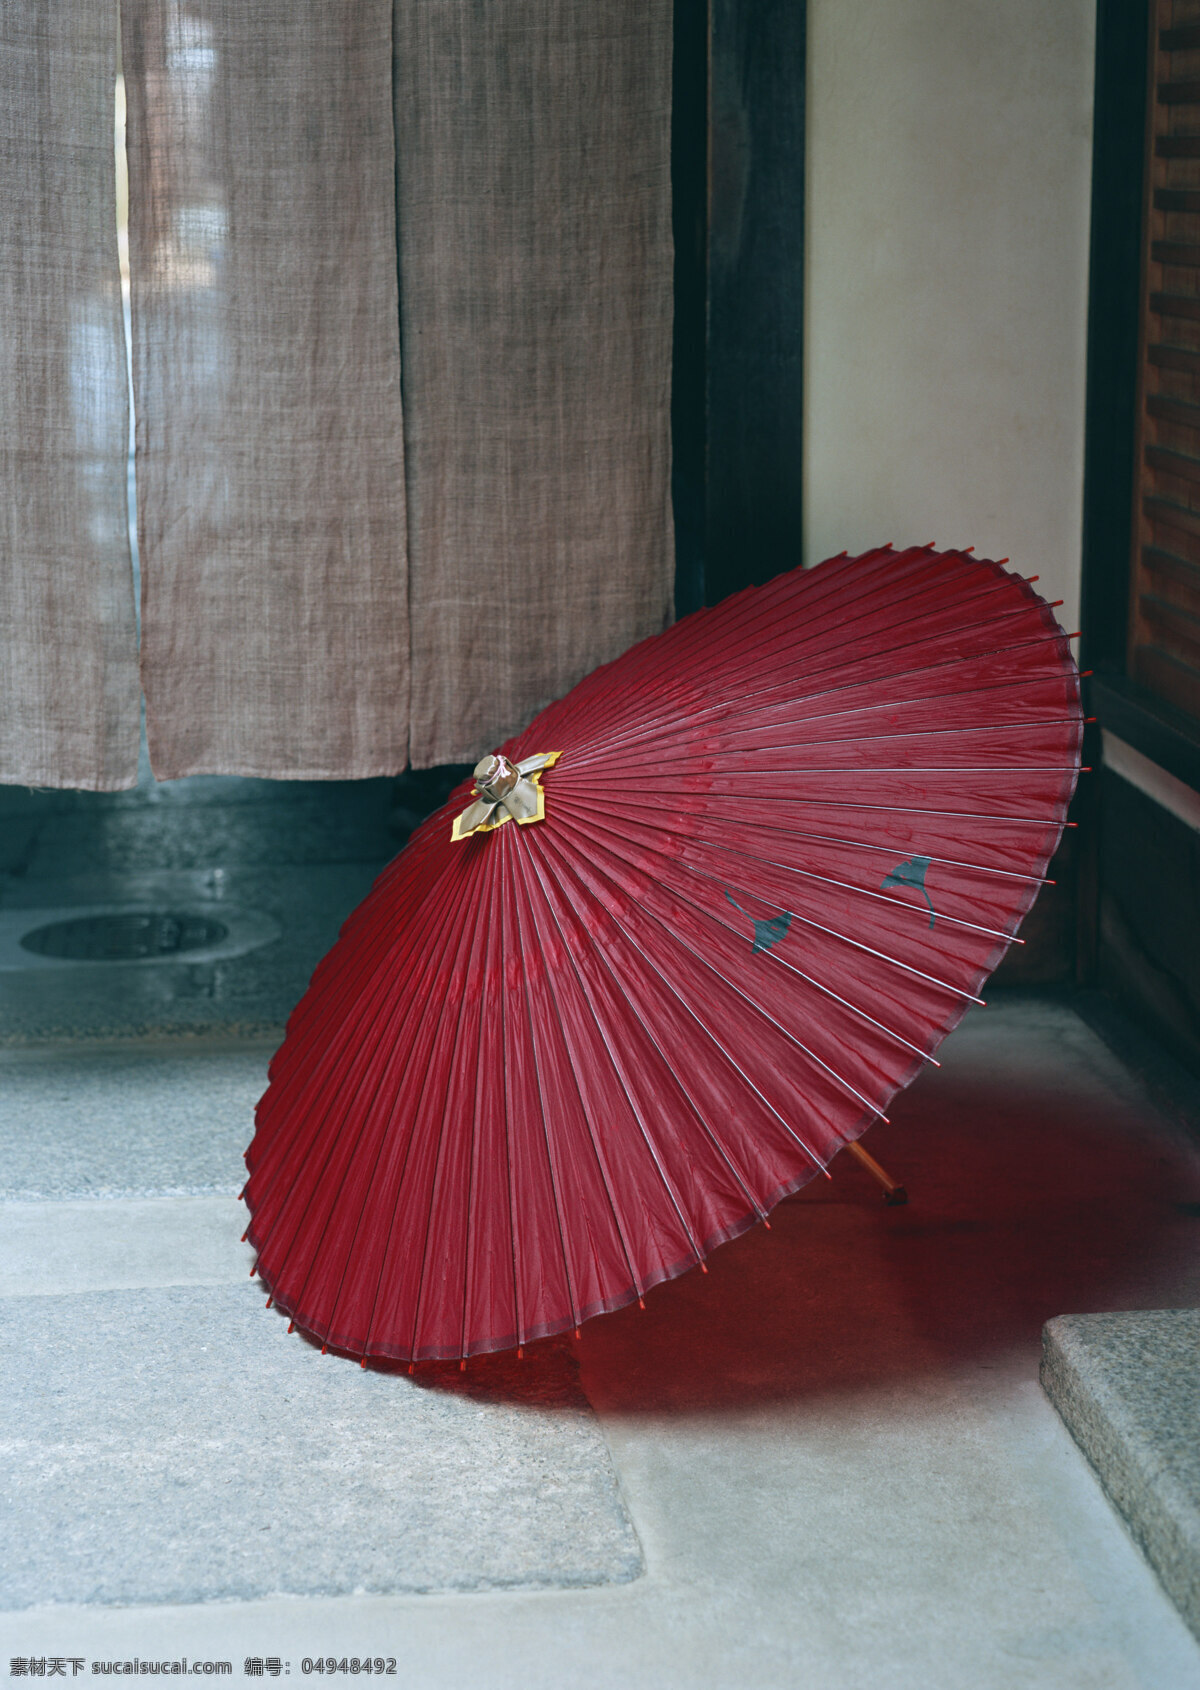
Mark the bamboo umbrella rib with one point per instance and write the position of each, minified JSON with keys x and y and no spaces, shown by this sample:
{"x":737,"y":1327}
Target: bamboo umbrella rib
{"x":858,"y":944}
{"x":818,"y":985}
{"x":401,"y":1177}
{"x":616,"y":1064}
{"x":690,"y":713}
{"x":511,"y":904}
{"x":377,"y":954}
{"x":691,"y":749}
{"x":473,"y":931}
{"x":311,"y":1108}
{"x":905,"y":809}
{"x":722,"y":1053}
{"x":753,"y":652}
{"x":632,"y":802}
{"x":842,"y":885}
{"x":317,"y":1184}
{"x":603,"y":746}
{"x":682,"y":1092}
{"x":683,"y":751}
{"x":450,"y":935}
{"x":325,"y":1078}
{"x":810,"y":979}
{"x":755,"y":610}
{"x":733,"y":986}
{"x":813,"y":772}
{"x":670,"y":652}
{"x":742,"y":624}
{"x":506,"y":1100}
{"x":597,"y":1150}
{"x":482,"y":1082}
{"x":804,"y":688}
{"x":890,"y":706}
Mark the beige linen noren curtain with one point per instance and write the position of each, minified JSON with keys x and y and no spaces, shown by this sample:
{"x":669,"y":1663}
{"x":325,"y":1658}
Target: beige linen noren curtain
{"x":68,"y":653}
{"x":270,"y":452}
{"x":533,"y":184}
{"x":401,"y":340}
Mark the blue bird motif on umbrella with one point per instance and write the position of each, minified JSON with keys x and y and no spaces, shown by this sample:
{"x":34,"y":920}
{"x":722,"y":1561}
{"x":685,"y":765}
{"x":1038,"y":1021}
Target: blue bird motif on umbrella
{"x":911,"y":872}
{"x":766,"y":933}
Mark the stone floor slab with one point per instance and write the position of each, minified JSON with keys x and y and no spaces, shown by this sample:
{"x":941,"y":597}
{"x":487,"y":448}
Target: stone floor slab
{"x":141,"y":1119}
{"x":150,"y":1241}
{"x":1128,"y":1388}
{"x":177,"y":1446}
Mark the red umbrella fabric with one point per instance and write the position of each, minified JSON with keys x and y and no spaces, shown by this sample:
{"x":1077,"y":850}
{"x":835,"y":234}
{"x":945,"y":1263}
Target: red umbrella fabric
{"x":560,"y":1058}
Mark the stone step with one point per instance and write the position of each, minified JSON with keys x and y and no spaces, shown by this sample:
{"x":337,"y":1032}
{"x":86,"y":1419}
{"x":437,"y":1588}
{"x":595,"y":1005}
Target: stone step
{"x":1128,"y":1387}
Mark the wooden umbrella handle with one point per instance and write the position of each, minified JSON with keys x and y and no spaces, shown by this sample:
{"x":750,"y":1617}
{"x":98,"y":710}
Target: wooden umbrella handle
{"x":893,"y":1193}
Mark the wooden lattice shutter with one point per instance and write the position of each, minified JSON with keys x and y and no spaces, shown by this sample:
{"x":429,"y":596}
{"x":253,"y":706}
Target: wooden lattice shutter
{"x":1164,"y":623}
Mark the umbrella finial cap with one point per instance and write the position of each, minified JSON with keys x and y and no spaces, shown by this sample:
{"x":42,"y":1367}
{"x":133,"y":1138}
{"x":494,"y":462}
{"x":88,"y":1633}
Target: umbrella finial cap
{"x":495,"y":777}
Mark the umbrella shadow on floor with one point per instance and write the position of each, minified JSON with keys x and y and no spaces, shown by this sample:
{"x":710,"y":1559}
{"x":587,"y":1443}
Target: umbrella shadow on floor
{"x":1027,"y":1200}
{"x":1025,"y":1203}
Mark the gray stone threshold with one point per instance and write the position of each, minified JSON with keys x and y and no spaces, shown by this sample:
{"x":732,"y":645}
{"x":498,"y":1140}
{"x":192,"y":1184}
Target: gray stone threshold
{"x":1128,"y":1388}
{"x":177,"y":1446}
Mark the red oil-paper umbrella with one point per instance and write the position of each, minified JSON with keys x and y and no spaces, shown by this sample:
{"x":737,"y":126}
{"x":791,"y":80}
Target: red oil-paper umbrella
{"x":686,"y":939}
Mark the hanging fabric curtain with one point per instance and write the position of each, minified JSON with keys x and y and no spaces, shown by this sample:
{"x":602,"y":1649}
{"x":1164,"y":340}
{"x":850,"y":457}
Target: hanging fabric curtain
{"x":270,"y":453}
{"x":348,"y":563}
{"x":533,"y":185}
{"x":68,"y":645}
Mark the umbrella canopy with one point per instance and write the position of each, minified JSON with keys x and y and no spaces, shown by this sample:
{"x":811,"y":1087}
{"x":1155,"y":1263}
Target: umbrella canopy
{"x":689,"y":935}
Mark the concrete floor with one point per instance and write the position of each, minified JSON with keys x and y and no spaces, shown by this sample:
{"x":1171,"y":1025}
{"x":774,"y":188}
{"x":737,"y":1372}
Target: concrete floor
{"x":833,"y":1448}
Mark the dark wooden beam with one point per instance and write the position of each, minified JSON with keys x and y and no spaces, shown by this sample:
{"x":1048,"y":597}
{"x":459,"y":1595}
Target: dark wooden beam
{"x":755,"y":291}
{"x":1119,"y":130}
{"x":689,"y":218}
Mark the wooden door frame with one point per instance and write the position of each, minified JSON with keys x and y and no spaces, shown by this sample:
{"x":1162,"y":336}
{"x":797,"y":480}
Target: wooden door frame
{"x":738,"y":140}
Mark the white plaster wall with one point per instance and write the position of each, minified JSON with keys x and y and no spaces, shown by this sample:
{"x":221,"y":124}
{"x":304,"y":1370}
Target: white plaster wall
{"x":949,"y":161}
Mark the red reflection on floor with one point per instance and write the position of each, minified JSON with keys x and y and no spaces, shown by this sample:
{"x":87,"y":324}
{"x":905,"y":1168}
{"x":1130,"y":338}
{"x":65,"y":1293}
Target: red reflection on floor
{"x":1041,"y":1182}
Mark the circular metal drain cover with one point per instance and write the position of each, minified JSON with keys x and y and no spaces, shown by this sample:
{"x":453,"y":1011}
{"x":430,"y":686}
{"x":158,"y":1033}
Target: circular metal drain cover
{"x":126,"y":937}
